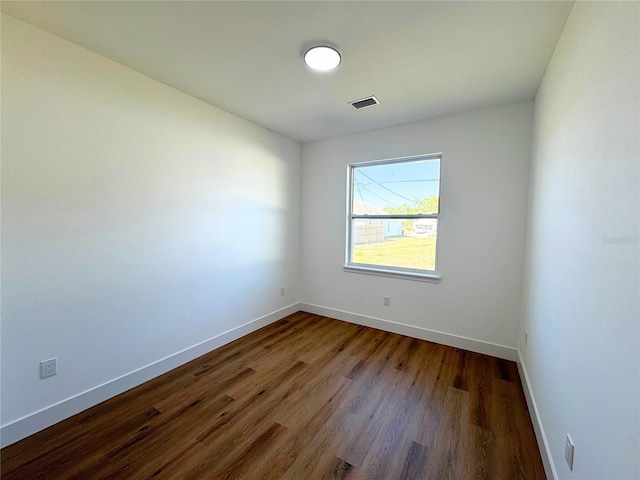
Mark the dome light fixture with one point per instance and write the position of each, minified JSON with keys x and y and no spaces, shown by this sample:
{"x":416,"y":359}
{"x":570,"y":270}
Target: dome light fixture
{"x":322,"y":58}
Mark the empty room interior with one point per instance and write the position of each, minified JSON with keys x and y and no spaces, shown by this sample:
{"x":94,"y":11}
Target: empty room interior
{"x":320,"y":240}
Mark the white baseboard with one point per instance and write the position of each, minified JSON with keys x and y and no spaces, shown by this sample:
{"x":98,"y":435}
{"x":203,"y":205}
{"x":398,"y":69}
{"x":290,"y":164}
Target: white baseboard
{"x":543,"y":445}
{"x":478,"y":346}
{"x":37,"y":421}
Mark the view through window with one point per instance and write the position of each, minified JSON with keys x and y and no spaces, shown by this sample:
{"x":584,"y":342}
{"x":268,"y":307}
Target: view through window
{"x":393,"y":215}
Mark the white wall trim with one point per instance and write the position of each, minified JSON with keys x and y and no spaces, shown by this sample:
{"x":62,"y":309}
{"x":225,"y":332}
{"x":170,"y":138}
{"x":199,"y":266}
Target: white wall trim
{"x":543,"y":445}
{"x":478,"y":346}
{"x":37,"y":421}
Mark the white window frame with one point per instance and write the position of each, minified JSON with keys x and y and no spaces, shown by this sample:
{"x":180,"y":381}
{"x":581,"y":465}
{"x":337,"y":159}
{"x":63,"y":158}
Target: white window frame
{"x":387,"y":271}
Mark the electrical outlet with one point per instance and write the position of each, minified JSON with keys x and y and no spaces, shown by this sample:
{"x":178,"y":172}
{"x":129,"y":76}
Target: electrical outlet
{"x":386,"y":301}
{"x":526,"y":338}
{"x":282,"y":291}
{"x":568,"y":452}
{"x":48,"y":368}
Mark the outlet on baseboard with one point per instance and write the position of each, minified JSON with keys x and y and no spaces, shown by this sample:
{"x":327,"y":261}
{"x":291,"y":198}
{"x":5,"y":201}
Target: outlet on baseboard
{"x":568,"y":452}
{"x":386,"y":301}
{"x":49,"y":368}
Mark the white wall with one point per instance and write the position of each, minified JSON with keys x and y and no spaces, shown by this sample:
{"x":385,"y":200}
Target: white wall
{"x":485,"y":174}
{"x":137,"y":221}
{"x":582,"y":278}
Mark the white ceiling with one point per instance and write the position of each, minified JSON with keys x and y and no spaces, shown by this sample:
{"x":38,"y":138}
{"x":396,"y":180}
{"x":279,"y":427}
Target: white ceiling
{"x":421,"y":59}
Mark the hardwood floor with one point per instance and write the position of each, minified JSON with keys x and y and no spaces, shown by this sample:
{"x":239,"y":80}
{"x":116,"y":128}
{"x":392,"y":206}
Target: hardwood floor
{"x":304,"y":398}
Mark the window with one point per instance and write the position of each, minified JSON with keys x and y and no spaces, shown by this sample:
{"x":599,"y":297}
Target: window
{"x":392,"y":219}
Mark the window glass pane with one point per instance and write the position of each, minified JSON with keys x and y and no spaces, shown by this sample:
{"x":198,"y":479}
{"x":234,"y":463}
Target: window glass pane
{"x":407,"y":187}
{"x":409,"y":243}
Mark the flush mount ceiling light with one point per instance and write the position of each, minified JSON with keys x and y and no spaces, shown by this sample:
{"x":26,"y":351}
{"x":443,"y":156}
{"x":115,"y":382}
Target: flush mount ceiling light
{"x":322,"y":59}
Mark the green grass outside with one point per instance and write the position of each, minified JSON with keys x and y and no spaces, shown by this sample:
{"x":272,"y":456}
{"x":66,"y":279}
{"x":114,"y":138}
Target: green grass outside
{"x":406,"y":252}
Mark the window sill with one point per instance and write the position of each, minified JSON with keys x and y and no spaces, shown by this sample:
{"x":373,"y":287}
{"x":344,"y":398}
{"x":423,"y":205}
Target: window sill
{"x":421,"y":277}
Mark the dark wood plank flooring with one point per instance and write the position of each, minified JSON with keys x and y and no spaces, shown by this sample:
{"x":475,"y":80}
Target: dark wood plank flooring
{"x":304,"y":398}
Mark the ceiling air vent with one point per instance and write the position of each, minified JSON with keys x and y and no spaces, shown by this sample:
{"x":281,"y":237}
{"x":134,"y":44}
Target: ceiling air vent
{"x":364,"y":102}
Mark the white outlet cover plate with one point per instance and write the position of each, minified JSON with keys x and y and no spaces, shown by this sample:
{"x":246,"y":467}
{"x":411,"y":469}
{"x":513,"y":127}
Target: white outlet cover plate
{"x":568,"y":452}
{"x":48,"y":368}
